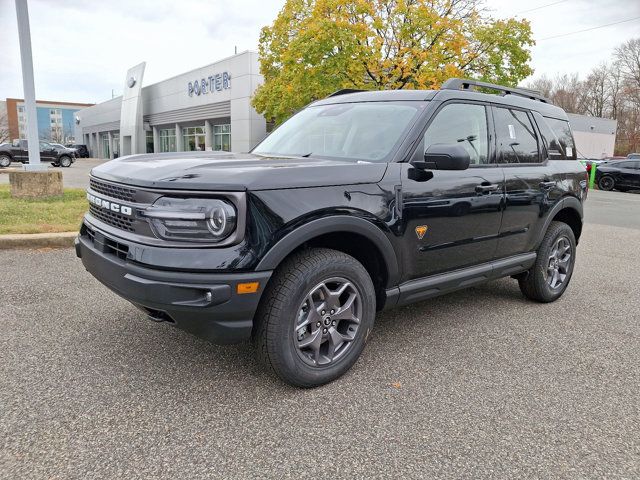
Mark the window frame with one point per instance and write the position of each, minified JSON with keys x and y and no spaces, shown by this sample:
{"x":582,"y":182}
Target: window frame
{"x":417,"y":148}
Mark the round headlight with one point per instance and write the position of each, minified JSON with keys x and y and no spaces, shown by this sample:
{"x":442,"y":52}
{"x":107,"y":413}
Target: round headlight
{"x":218,"y":221}
{"x":205,"y":220}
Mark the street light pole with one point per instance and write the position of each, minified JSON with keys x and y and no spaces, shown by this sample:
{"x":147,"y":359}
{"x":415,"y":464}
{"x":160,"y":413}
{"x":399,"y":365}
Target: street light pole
{"x":29,"y":89}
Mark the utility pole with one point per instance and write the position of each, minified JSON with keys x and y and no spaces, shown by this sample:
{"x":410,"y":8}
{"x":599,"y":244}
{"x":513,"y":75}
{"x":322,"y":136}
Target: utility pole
{"x":29,"y":88}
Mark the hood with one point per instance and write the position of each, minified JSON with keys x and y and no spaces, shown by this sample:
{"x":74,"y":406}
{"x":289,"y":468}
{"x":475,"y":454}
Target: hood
{"x":235,"y":172}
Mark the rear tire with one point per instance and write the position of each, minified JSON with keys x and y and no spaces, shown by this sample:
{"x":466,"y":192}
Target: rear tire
{"x":550,"y":275}
{"x":5,"y":161}
{"x":314,"y":318}
{"x":606,"y":183}
{"x":65,"y":162}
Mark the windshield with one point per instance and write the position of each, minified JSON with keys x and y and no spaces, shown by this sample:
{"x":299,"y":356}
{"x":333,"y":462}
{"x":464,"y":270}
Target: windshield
{"x":366,"y":131}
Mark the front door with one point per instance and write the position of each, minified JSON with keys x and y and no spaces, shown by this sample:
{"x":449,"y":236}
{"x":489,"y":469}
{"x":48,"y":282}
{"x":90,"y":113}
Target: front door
{"x":630,"y":174}
{"x":451,"y":219}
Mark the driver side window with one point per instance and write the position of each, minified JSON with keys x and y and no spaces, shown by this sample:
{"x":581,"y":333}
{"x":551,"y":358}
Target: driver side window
{"x":461,"y":124}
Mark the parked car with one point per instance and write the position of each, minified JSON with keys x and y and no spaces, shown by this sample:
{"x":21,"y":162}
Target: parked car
{"x":633,"y":156}
{"x":18,"y":151}
{"x":620,"y":175}
{"x":362,"y":201}
{"x":82,"y":150}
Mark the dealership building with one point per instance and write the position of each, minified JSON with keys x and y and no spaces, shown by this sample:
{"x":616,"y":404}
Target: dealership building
{"x":205,"y":109}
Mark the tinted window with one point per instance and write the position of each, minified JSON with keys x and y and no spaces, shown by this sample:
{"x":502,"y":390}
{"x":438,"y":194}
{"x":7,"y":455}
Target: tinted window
{"x":631,"y":165}
{"x":462,"y":124}
{"x":555,"y":151}
{"x":562,"y":131}
{"x":517,"y":140}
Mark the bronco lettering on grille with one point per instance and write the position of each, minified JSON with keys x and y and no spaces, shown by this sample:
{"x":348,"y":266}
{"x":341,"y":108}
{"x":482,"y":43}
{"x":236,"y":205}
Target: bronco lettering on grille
{"x":114,"y":207}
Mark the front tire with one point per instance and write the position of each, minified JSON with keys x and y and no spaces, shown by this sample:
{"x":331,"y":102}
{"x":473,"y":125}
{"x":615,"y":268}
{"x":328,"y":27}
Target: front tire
{"x":5,"y":161}
{"x":606,"y":183}
{"x":315,"y":317}
{"x":549,"y":277}
{"x":65,"y":162}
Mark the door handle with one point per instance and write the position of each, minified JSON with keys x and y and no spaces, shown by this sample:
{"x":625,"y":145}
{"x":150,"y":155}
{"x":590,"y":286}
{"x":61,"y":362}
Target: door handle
{"x":487,"y":188}
{"x":547,"y":185}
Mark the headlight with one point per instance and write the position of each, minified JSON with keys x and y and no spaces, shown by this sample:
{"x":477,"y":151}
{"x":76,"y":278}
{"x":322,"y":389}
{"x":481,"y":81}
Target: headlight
{"x":204,"y":220}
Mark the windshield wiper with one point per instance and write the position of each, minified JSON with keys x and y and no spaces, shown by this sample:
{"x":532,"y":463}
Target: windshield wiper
{"x":307,"y":155}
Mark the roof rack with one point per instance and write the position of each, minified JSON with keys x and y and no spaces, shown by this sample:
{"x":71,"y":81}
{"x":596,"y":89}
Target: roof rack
{"x":344,"y":91}
{"x":464,"y":84}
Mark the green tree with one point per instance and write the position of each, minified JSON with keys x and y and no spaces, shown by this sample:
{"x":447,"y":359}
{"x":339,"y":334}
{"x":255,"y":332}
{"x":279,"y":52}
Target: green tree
{"x":315,"y":47}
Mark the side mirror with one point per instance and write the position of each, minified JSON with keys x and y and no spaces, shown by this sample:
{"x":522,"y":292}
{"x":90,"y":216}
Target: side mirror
{"x":444,"y":157}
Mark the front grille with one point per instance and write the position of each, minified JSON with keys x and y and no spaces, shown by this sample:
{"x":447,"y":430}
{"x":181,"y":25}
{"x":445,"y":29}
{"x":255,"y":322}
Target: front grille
{"x":118,"y":249}
{"x":113,"y":191}
{"x":111,"y":218}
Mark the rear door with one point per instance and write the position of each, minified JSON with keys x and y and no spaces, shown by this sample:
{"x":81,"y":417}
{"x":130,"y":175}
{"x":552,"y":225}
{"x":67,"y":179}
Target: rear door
{"x":451,"y":219}
{"x":531,"y":183}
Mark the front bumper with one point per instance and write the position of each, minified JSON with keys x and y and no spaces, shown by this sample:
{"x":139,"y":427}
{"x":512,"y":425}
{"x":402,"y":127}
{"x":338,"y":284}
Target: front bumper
{"x":204,"y":304}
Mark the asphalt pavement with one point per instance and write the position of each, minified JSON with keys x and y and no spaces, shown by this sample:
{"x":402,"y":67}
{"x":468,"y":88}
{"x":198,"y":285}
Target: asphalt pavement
{"x":477,"y":384}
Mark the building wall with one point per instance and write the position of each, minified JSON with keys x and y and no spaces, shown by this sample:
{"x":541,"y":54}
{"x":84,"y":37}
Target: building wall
{"x":595,"y":137}
{"x":594,"y":145}
{"x":169,"y":104}
{"x":62,"y":130}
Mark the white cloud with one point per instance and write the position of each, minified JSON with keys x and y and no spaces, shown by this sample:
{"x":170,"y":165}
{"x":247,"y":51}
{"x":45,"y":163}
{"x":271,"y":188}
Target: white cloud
{"x":82,"y":48}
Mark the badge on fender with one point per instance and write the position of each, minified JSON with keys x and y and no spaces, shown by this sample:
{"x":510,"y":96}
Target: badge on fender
{"x":421,"y":230}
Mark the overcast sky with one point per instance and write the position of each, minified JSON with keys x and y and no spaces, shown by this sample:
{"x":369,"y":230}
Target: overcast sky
{"x":83,"y":48}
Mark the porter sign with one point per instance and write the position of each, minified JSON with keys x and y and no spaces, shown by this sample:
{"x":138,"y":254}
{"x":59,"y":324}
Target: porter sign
{"x":213,"y":83}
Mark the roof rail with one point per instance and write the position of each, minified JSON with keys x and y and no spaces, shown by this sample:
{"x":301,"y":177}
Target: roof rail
{"x":344,"y":91}
{"x":464,"y":84}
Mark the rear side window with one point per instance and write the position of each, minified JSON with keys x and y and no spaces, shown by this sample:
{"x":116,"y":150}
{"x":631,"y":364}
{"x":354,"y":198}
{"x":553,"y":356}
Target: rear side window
{"x":517,"y":139}
{"x":562,"y":132}
{"x":555,"y":151}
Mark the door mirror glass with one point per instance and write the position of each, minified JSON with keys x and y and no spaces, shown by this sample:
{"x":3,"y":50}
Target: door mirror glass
{"x":444,"y":157}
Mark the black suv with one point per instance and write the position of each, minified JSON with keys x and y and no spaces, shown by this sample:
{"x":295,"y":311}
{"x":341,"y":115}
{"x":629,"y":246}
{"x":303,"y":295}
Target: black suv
{"x":18,"y":151}
{"x":361,"y":202}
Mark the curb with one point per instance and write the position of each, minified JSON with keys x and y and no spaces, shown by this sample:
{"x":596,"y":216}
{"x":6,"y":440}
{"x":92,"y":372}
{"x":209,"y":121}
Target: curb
{"x":38,"y":240}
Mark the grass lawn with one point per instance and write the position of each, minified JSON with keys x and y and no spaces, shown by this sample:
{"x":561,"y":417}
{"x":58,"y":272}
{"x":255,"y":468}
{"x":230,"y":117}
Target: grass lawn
{"x":43,"y":215}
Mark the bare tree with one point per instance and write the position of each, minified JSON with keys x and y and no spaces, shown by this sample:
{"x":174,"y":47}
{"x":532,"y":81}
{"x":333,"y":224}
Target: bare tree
{"x":609,"y":91}
{"x":4,"y":128}
{"x":596,"y":91}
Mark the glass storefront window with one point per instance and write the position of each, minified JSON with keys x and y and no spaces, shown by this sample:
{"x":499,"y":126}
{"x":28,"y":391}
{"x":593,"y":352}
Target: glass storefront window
{"x":116,"y":145}
{"x":105,"y":145}
{"x":167,"y":139}
{"x":193,"y":139}
{"x":149,"y":141}
{"x":222,"y":137}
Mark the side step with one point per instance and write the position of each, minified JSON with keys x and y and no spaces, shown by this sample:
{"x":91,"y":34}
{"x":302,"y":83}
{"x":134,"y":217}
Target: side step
{"x":435,"y":285}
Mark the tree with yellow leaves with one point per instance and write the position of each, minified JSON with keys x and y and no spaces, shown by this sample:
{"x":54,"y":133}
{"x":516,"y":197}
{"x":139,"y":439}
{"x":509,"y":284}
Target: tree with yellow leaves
{"x":315,"y":47}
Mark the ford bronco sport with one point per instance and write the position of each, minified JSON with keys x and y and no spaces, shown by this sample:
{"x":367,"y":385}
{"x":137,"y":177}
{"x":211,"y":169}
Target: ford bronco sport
{"x":362,"y":201}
